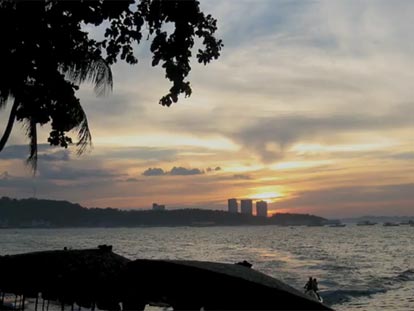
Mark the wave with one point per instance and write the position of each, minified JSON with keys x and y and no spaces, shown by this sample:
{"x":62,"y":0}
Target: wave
{"x":332,"y":267}
{"x":397,"y":280}
{"x":332,"y":297}
{"x":407,"y":275}
{"x":381,"y":285}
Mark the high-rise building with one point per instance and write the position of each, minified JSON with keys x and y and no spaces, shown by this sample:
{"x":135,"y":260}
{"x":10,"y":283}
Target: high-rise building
{"x":261,"y":208}
{"x":233,"y":206}
{"x":246,"y":206}
{"x":158,"y":207}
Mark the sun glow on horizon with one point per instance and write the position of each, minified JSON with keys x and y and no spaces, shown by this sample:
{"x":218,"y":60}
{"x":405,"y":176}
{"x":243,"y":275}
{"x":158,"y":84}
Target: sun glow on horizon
{"x":269,"y":197}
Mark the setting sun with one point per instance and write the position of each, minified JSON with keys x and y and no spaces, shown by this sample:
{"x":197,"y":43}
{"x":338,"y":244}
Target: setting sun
{"x":267,"y":196}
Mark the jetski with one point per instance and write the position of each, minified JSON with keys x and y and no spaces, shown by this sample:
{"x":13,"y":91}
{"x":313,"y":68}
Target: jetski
{"x":314,"y":295}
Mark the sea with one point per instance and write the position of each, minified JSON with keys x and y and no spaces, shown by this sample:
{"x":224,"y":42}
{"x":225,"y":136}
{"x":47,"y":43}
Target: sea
{"x":357,"y":267}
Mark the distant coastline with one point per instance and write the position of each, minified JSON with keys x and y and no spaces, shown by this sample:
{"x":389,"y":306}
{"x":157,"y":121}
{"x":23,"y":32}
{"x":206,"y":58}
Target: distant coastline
{"x":377,"y":219}
{"x":36,"y":213}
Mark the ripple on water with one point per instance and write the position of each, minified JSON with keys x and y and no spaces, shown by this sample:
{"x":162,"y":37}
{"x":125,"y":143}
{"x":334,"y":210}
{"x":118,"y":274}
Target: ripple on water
{"x":358,"y":268}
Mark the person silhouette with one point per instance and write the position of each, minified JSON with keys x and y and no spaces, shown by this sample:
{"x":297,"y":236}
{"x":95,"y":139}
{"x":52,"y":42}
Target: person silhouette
{"x":309,"y":284}
{"x":315,"y":287}
{"x":311,"y":288}
{"x":315,"y":284}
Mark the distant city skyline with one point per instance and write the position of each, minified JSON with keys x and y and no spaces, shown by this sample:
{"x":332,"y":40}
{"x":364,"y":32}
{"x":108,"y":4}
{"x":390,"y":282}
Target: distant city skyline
{"x":246,"y":206}
{"x":310,"y":108}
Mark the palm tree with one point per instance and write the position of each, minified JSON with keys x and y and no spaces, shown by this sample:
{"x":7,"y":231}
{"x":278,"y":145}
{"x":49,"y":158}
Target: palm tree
{"x":96,"y":71}
{"x":40,"y":78}
{"x":45,"y":55}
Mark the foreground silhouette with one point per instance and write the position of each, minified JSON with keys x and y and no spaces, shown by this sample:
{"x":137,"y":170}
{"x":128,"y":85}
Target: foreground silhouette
{"x":99,"y":278}
{"x":45,"y":54}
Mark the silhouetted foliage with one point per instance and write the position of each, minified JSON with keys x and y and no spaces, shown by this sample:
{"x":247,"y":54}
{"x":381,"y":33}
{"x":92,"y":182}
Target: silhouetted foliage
{"x":46,"y":53}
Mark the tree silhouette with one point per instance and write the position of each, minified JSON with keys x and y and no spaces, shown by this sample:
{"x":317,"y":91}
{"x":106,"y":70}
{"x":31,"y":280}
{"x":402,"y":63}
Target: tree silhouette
{"x":46,"y":53}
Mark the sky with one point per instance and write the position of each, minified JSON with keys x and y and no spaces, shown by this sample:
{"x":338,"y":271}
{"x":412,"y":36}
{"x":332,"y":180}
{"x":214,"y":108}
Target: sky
{"x":310,"y":107}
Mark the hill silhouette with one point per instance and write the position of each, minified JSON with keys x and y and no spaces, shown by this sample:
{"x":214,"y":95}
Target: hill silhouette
{"x":16,"y":213}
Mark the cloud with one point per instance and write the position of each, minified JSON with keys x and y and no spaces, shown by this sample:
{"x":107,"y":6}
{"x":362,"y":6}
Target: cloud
{"x":139,"y":153}
{"x":259,"y":18}
{"x":242,"y":176}
{"x":293,"y":73}
{"x":402,"y":156}
{"x":391,"y":199}
{"x":23,"y":187}
{"x":14,"y":152}
{"x":131,"y":180}
{"x":175,"y":171}
{"x":61,"y":155}
{"x":271,"y":136}
{"x":210,"y":169}
{"x":45,"y":153}
{"x":55,"y":172}
{"x":154,"y":172}
{"x":182,"y":171}
{"x":122,"y":107}
{"x":21,"y":152}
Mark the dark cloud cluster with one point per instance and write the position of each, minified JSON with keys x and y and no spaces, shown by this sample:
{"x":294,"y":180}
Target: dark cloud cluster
{"x":154,"y":172}
{"x":182,"y":171}
{"x":175,"y":171}
{"x":216,"y":169}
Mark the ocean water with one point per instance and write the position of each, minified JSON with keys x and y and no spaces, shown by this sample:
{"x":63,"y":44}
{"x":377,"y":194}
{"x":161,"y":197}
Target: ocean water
{"x":358,"y":268}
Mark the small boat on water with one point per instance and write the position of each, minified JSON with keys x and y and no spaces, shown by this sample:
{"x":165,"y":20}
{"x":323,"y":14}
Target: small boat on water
{"x":338,"y":226}
{"x":316,"y":225}
{"x":366,"y":223}
{"x":390,"y":224}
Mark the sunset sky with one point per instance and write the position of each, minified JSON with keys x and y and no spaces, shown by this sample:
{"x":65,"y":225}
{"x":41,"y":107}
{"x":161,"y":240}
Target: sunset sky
{"x":310,"y":107}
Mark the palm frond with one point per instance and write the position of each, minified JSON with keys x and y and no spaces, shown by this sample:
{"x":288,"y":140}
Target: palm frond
{"x":84,"y":135}
{"x":102,"y":77}
{"x":31,"y":132}
{"x":96,"y":71}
